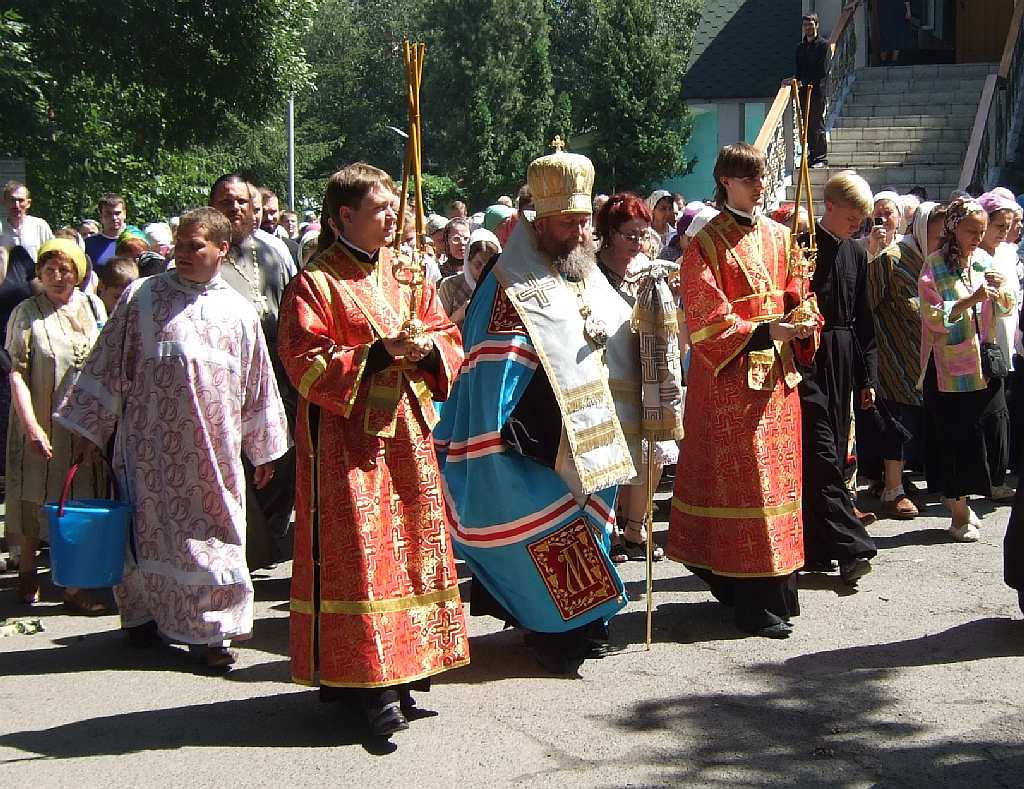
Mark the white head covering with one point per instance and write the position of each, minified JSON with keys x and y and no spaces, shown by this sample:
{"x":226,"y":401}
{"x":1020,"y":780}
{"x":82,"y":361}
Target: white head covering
{"x":656,"y":196}
{"x":480,"y":234}
{"x":888,"y":194}
{"x":705,"y":215}
{"x":918,"y":235}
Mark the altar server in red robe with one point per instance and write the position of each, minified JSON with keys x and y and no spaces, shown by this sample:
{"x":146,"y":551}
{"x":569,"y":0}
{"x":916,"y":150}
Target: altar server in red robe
{"x":736,"y":518}
{"x":375,"y":608}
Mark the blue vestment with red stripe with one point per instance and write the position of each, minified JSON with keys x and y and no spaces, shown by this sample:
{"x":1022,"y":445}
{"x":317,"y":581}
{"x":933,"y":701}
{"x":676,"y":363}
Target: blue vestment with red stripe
{"x":539,"y":551}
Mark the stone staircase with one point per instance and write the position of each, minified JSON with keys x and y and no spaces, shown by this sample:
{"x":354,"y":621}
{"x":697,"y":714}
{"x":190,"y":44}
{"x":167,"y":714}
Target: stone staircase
{"x":905,"y":126}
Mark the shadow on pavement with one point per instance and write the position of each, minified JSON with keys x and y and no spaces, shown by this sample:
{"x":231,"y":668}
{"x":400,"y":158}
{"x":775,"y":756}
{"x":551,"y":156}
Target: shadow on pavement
{"x":495,"y":657}
{"x":828,"y":719}
{"x":285,"y":720}
{"x":914,"y":537}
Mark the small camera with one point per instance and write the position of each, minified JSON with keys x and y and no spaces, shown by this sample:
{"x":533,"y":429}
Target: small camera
{"x":878,"y":221}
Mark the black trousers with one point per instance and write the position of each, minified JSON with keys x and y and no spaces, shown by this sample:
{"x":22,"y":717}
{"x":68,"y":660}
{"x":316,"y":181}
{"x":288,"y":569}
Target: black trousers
{"x":817,"y":142}
{"x":831,"y":529}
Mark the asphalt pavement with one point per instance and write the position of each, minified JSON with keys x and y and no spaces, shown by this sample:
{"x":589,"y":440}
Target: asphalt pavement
{"x":913,"y":680}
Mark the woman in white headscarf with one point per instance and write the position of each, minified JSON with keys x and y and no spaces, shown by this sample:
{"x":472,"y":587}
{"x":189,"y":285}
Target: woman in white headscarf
{"x":456,"y":290}
{"x":886,"y":221}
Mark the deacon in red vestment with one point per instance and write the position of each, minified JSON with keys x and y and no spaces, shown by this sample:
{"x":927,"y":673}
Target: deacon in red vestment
{"x":736,"y":516}
{"x":375,"y":604}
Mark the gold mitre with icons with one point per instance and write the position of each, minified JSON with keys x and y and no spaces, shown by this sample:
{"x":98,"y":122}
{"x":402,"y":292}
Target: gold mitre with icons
{"x":561,"y":182}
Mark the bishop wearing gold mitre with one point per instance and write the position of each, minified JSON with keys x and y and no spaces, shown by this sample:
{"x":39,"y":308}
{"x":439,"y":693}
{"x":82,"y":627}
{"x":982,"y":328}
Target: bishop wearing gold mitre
{"x":533,"y":441}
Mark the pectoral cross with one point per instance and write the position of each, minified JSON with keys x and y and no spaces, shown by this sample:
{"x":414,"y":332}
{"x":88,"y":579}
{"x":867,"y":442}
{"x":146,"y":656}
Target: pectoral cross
{"x":537,"y":289}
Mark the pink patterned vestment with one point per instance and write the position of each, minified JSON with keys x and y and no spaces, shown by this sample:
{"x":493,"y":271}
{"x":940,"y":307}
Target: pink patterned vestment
{"x":182,"y":376}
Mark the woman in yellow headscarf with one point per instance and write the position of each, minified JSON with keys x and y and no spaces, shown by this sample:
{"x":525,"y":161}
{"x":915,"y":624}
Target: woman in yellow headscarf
{"x":49,"y":337}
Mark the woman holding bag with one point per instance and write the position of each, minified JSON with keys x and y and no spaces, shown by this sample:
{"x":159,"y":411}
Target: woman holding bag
{"x":961,"y":298}
{"x":49,"y":337}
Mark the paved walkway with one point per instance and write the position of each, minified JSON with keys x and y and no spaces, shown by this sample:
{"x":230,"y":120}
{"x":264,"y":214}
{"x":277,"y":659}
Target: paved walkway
{"x":915,"y":680}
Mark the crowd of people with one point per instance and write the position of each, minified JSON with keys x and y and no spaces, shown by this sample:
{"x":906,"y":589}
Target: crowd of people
{"x":375,"y":405}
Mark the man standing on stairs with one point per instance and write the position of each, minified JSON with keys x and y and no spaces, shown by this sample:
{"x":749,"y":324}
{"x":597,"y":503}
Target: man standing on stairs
{"x":813,"y":58}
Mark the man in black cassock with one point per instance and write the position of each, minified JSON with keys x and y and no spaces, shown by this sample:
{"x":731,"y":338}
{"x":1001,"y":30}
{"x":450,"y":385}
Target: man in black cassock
{"x":846,"y":364}
{"x":813,"y":58}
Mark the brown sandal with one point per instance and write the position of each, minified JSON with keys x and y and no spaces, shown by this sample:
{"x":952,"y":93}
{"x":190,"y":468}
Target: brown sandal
{"x":81,"y":604}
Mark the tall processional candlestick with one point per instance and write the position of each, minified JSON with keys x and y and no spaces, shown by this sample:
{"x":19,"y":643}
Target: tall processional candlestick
{"x":410,"y":269}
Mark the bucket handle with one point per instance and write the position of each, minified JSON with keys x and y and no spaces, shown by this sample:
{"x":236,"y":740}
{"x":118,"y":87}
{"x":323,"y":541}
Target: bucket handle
{"x":70,"y":478}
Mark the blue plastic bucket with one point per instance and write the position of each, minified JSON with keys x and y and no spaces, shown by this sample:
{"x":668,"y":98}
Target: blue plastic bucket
{"x":87,"y":542}
{"x":87,"y":539}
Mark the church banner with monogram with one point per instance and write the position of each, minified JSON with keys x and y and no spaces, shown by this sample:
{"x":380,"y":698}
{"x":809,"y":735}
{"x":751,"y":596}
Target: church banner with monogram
{"x":375,"y":598}
{"x":737,"y":503}
{"x":531,"y":535}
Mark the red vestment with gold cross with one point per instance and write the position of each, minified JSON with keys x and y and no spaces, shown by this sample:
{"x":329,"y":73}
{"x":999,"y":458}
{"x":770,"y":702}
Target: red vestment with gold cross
{"x":736,"y":506}
{"x":375,"y":599}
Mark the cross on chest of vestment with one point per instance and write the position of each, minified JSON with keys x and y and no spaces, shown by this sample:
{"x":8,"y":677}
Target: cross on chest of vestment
{"x":537,"y":289}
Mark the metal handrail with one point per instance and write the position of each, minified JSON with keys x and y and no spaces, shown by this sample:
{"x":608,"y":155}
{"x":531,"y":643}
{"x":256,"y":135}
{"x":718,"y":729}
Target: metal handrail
{"x":994,"y":120}
{"x":776,"y":142}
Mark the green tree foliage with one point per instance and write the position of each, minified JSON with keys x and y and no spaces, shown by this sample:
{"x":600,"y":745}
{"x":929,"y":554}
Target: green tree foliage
{"x":639,"y":120}
{"x":126,"y":92}
{"x":487,"y":93}
{"x":155,"y":103}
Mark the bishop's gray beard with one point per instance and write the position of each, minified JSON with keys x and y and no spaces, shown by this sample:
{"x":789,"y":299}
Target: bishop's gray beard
{"x":578,"y":262}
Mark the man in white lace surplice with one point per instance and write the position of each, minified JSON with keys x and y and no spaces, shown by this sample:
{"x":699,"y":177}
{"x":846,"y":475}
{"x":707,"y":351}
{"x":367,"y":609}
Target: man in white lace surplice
{"x":182,"y":376}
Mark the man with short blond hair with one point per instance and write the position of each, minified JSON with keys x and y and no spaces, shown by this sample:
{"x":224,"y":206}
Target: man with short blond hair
{"x":844,"y":370}
{"x":19,"y":229}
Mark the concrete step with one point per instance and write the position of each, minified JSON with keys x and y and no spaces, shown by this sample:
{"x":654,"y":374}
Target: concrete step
{"x":839,"y":158}
{"x":909,"y":174}
{"x":938,"y":192}
{"x":917,"y":147}
{"x":896,"y":133}
{"x":944,"y":71}
{"x":962,"y":123}
{"x":949,"y":100}
{"x":863,"y":87}
{"x":965,"y":110}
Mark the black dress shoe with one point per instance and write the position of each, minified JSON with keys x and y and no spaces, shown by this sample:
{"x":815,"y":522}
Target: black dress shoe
{"x":824,"y":566}
{"x":387,"y":720}
{"x":143,"y":636}
{"x":764,"y":624}
{"x":781,"y":630}
{"x":853,"y":570}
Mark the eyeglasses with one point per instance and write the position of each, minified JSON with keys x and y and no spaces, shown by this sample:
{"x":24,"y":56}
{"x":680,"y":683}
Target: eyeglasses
{"x":633,"y":238}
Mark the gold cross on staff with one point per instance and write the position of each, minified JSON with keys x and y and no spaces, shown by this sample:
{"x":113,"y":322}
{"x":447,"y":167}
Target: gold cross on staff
{"x":557,"y":143}
{"x":538,"y":290}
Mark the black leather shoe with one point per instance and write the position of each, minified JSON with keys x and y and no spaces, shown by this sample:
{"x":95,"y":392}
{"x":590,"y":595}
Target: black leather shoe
{"x":826,"y":566}
{"x":853,"y":570}
{"x":781,"y":630}
{"x":764,"y":624}
{"x":386,"y":721}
